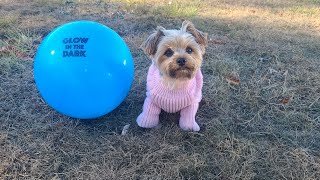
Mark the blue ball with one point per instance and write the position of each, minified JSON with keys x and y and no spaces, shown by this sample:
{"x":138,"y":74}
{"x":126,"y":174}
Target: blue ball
{"x":83,"y":69}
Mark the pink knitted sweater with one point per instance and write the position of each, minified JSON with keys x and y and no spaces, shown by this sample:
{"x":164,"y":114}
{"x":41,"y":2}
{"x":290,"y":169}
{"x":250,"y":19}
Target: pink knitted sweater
{"x":185,"y":99}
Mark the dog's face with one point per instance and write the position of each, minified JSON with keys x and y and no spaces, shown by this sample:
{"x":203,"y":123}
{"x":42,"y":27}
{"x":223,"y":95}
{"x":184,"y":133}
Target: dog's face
{"x":177,"y":53}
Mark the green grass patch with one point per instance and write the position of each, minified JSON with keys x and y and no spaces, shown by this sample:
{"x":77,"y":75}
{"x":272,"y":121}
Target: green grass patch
{"x":179,"y":9}
{"x":19,"y":44}
{"x":163,"y":8}
{"x":7,"y":21}
{"x":308,"y":11}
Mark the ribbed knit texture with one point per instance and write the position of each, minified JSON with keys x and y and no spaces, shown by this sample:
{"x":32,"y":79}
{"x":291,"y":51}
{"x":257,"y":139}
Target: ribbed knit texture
{"x":185,"y":99}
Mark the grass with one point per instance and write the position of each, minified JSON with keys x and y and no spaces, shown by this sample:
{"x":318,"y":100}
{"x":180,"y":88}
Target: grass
{"x":6,"y":21}
{"x":179,"y":9}
{"x":260,"y":113}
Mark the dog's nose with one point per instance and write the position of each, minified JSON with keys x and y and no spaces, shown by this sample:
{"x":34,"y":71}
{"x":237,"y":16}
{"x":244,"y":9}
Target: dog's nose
{"x":181,"y":61}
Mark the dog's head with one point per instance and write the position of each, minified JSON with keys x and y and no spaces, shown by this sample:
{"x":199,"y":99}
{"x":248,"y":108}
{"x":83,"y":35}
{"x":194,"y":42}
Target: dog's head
{"x":177,"y":53}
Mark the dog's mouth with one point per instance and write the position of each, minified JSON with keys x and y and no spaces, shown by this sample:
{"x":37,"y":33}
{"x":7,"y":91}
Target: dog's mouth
{"x":182,"y":73}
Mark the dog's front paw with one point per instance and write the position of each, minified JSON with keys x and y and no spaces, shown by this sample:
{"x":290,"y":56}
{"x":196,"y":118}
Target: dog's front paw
{"x":189,"y":126}
{"x":147,"y":122}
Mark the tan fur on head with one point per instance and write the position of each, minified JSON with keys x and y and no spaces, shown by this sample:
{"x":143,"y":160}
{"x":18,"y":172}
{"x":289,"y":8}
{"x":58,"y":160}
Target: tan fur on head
{"x":150,"y":45}
{"x":176,"y":53}
{"x":178,"y":44}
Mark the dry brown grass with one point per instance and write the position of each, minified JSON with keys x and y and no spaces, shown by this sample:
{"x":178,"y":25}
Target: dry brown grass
{"x":260,"y":114}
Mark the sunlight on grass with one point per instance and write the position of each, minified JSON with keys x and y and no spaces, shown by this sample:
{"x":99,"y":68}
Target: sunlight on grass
{"x":176,"y":9}
{"x":168,"y":8}
{"x":289,"y":20}
{"x":309,"y":11}
{"x":291,"y":16}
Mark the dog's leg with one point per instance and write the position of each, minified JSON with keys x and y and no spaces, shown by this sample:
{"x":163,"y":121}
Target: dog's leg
{"x":149,"y":117}
{"x":187,"y":120}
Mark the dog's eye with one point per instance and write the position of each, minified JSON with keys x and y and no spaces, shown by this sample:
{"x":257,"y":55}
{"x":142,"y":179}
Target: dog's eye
{"x":189,"y":50}
{"x":169,"y":53}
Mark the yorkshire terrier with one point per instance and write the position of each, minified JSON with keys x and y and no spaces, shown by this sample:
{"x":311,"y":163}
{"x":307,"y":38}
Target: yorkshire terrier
{"x":174,"y":81}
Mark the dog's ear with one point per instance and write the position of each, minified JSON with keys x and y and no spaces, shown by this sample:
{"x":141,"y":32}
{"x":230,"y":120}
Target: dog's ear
{"x":151,"y":44}
{"x":200,"y":37}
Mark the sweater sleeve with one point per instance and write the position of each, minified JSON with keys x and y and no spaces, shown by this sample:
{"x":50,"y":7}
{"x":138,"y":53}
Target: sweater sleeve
{"x":199,"y":85}
{"x":150,"y":77}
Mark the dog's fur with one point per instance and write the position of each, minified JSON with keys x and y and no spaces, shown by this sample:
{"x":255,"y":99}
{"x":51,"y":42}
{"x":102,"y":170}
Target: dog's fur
{"x":177,"y":54}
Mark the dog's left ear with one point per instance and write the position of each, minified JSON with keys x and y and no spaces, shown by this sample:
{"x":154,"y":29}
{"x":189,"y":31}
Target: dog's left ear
{"x":200,"y":37}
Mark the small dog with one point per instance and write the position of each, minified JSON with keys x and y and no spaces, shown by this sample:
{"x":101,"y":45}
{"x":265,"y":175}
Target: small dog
{"x":174,"y":81}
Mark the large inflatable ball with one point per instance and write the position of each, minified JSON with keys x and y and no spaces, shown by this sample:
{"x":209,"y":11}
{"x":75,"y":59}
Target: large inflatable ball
{"x":83,"y":69}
